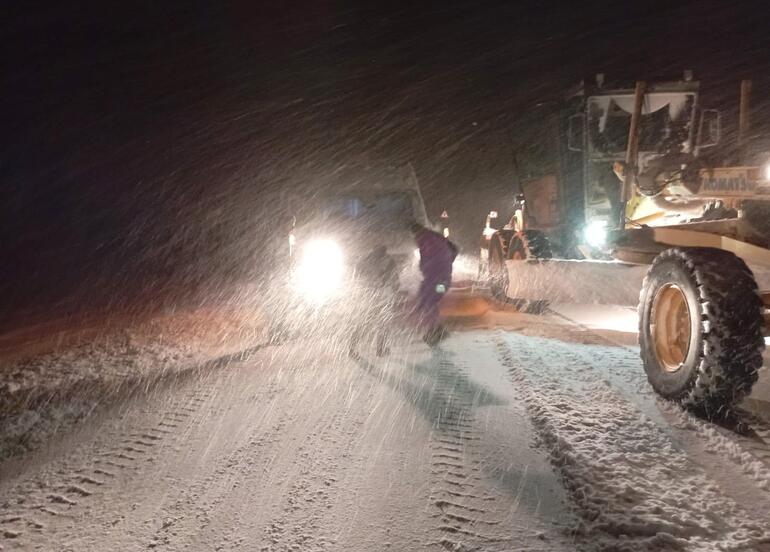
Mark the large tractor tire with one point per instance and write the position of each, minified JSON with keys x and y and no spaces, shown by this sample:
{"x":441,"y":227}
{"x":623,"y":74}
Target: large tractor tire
{"x":700,"y":329}
{"x":529,"y":245}
{"x":517,"y":246}
{"x":498,"y":272}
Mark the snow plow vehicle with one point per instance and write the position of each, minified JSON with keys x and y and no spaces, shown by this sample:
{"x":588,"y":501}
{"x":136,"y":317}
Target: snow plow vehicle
{"x":649,"y":187}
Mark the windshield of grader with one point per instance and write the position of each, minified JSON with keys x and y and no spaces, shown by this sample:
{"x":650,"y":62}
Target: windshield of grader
{"x":665,"y":125}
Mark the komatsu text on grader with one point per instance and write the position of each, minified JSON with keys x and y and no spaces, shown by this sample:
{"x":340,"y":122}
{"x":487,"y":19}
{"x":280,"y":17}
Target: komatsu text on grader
{"x":640,"y":177}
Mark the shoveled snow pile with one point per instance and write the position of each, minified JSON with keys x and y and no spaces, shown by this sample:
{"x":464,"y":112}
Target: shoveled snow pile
{"x":44,"y":388}
{"x":631,"y":486}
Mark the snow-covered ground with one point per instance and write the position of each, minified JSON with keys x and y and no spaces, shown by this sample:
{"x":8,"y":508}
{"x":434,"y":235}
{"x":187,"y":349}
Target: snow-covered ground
{"x":520,"y":432}
{"x":55,"y":375}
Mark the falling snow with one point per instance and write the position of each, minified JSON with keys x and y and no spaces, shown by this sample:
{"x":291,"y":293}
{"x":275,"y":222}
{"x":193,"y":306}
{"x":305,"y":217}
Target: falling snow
{"x":163,"y":384}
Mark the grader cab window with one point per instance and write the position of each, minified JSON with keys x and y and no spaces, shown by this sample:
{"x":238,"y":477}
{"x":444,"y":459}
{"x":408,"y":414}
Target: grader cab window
{"x":665,"y":124}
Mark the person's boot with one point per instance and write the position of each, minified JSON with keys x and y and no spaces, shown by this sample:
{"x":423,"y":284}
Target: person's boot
{"x":436,"y":335}
{"x":431,"y":337}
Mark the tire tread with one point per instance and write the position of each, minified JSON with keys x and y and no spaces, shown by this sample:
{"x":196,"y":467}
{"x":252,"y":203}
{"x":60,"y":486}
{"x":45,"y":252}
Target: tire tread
{"x":731,"y":327}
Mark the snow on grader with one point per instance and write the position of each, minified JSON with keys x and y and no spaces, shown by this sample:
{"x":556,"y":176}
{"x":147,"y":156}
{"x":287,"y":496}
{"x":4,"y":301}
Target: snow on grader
{"x":641,"y":181}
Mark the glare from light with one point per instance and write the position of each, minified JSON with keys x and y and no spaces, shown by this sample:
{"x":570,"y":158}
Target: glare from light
{"x":766,"y":171}
{"x":320,"y":272}
{"x":489,"y":232}
{"x":417,"y":253}
{"x":596,"y":233}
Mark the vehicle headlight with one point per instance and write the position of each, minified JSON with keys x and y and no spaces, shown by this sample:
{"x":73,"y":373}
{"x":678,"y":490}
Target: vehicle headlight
{"x":596,"y":233}
{"x":320,"y":271}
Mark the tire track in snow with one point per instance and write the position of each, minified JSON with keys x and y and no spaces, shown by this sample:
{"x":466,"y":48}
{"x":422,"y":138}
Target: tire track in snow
{"x":182,"y":521}
{"x":748,"y":453}
{"x":632,"y":489}
{"x":465,"y":516}
{"x":280,"y":488}
{"x":722,"y":453}
{"x":748,"y":450}
{"x":314,"y":488}
{"x":65,"y":488}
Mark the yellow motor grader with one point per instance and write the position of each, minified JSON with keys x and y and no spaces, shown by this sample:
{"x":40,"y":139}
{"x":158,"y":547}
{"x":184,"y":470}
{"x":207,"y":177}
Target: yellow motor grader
{"x":702,"y":320}
{"x":699,"y":225}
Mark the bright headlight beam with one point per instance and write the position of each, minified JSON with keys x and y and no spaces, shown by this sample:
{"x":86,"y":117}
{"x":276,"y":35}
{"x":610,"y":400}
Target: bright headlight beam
{"x":321,"y":270}
{"x":596,"y":233}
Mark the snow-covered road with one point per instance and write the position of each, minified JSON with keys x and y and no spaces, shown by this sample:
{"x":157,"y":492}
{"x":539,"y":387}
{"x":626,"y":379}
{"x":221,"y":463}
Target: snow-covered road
{"x":499,"y":440}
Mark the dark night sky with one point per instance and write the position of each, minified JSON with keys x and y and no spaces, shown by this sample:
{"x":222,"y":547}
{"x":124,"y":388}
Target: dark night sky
{"x":145,"y":138}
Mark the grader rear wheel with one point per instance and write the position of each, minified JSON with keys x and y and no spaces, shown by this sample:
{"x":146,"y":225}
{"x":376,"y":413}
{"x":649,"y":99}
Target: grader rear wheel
{"x":498,"y":272}
{"x":529,"y":245}
{"x":507,"y":245}
{"x":700,"y":328}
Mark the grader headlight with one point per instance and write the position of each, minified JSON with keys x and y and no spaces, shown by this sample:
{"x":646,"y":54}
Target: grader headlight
{"x":596,"y":233}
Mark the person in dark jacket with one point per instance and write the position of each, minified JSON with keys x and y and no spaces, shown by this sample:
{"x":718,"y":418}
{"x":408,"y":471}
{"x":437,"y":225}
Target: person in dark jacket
{"x":437,"y":254}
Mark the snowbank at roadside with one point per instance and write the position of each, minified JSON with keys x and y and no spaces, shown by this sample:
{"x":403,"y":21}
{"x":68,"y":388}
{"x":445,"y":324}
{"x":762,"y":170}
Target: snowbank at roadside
{"x":50,"y":379}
